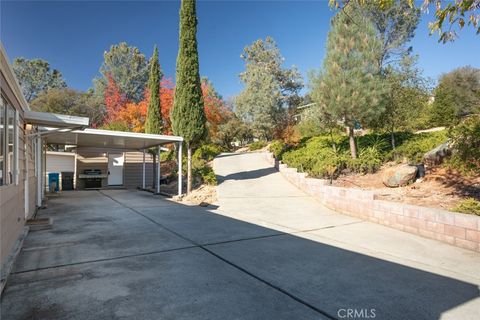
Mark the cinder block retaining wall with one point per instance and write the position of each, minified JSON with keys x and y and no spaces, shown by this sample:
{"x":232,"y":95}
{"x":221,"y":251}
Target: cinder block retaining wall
{"x":458,"y":229}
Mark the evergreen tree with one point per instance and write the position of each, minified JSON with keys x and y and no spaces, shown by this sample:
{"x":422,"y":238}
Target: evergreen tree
{"x":457,"y":95}
{"x":350,"y":89}
{"x":394,"y":26}
{"x":188,"y":115}
{"x":36,"y":76}
{"x":449,"y":16}
{"x":71,"y":102}
{"x":129,"y":69}
{"x":153,"y":121}
{"x":406,"y":100}
{"x":269,"y":89}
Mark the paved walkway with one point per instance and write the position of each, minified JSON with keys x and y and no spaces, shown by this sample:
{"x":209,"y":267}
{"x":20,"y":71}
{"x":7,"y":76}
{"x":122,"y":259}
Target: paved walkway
{"x":267,"y":252}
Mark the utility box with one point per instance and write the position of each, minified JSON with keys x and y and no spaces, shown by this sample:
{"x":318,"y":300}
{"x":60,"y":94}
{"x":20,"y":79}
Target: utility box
{"x":67,"y":180}
{"x":53,"y":178}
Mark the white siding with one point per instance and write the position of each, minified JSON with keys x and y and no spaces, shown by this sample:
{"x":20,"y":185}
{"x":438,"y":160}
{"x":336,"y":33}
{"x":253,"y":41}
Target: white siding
{"x":60,"y":162}
{"x":57,"y":162}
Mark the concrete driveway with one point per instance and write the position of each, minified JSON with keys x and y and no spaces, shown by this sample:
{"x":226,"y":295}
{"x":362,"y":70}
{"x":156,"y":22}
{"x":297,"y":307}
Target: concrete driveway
{"x":267,"y":252}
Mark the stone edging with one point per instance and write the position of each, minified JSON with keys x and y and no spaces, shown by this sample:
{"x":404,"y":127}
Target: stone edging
{"x":458,"y":229}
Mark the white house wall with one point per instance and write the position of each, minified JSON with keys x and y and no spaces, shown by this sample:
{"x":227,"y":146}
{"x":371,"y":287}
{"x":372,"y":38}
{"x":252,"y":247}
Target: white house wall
{"x":12,"y":196}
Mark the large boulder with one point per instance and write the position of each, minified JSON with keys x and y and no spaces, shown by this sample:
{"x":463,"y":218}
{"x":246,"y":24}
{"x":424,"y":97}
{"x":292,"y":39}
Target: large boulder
{"x":399,"y":176}
{"x":436,"y":155}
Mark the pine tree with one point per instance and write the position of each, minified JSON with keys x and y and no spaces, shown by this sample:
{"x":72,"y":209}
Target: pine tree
{"x":350,"y":89}
{"x":188,"y":116}
{"x":270,"y":89}
{"x":129,"y":69}
{"x":153,"y":121}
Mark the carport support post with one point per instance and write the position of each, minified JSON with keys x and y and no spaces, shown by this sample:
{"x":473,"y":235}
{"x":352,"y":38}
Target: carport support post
{"x":158,"y":171}
{"x":180,"y":168}
{"x":143,"y":170}
{"x":39,"y":171}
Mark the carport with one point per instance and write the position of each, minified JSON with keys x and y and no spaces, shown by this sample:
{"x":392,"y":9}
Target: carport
{"x":71,"y":130}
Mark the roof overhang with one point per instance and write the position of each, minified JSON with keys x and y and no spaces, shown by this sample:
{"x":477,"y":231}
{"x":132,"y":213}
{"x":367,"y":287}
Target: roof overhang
{"x":47,"y":119}
{"x":109,"y":139}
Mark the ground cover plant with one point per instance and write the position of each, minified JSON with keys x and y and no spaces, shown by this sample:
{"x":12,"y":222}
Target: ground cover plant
{"x":257,"y":145}
{"x":469,"y":205}
{"x":465,"y":140}
{"x":201,"y":163}
{"x":327,"y":156}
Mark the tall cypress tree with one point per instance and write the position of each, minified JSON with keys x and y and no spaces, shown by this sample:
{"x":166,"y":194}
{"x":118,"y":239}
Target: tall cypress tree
{"x":153,"y":122}
{"x":188,"y":115}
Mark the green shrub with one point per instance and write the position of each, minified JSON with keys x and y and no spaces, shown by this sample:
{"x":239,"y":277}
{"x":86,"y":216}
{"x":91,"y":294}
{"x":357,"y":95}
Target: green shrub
{"x":329,"y":165}
{"x":379,"y":143}
{"x":200,"y":166}
{"x":206,"y":174}
{"x":207,"y":152}
{"x":308,"y":128}
{"x":257,"y":145}
{"x":469,"y":205}
{"x":327,"y":156}
{"x":465,"y":139}
{"x":167,"y":156}
{"x":317,"y":157}
{"x":277,"y":147}
{"x":370,"y":159}
{"x":414,"y":148}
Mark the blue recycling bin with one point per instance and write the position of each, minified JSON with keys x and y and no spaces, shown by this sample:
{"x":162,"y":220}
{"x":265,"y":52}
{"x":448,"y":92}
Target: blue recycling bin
{"x":53,"y":181}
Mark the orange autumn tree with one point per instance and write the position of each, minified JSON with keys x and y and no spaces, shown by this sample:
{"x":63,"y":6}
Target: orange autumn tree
{"x":215,"y":109}
{"x":132,"y":115}
{"x":167,"y":89}
{"x":129,"y":116}
{"x":115,"y":100}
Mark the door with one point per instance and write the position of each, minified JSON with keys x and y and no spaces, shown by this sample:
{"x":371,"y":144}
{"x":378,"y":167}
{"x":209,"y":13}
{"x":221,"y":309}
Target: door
{"x":115,"y":169}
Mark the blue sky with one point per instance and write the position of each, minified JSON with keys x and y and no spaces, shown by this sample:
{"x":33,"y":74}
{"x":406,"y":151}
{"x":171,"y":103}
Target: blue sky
{"x":72,"y":36}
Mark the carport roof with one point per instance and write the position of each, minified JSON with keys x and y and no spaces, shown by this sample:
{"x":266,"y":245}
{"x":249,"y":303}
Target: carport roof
{"x":108,"y":139}
{"x":55,"y":120}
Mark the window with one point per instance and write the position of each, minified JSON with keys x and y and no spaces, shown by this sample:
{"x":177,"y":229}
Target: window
{"x":16,"y":168}
{"x":8,"y":144}
{"x":2,"y":141}
{"x":10,"y":140}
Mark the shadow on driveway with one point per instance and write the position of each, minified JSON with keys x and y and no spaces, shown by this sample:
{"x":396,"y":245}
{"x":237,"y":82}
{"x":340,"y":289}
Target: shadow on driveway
{"x":247,"y":175}
{"x":126,"y":254}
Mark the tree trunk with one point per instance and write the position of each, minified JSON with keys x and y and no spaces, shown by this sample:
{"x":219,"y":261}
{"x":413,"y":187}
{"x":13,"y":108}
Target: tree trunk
{"x":334,"y":146}
{"x":154,"y":177}
{"x":189,"y":168}
{"x":392,"y":135}
{"x":351,"y":140}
